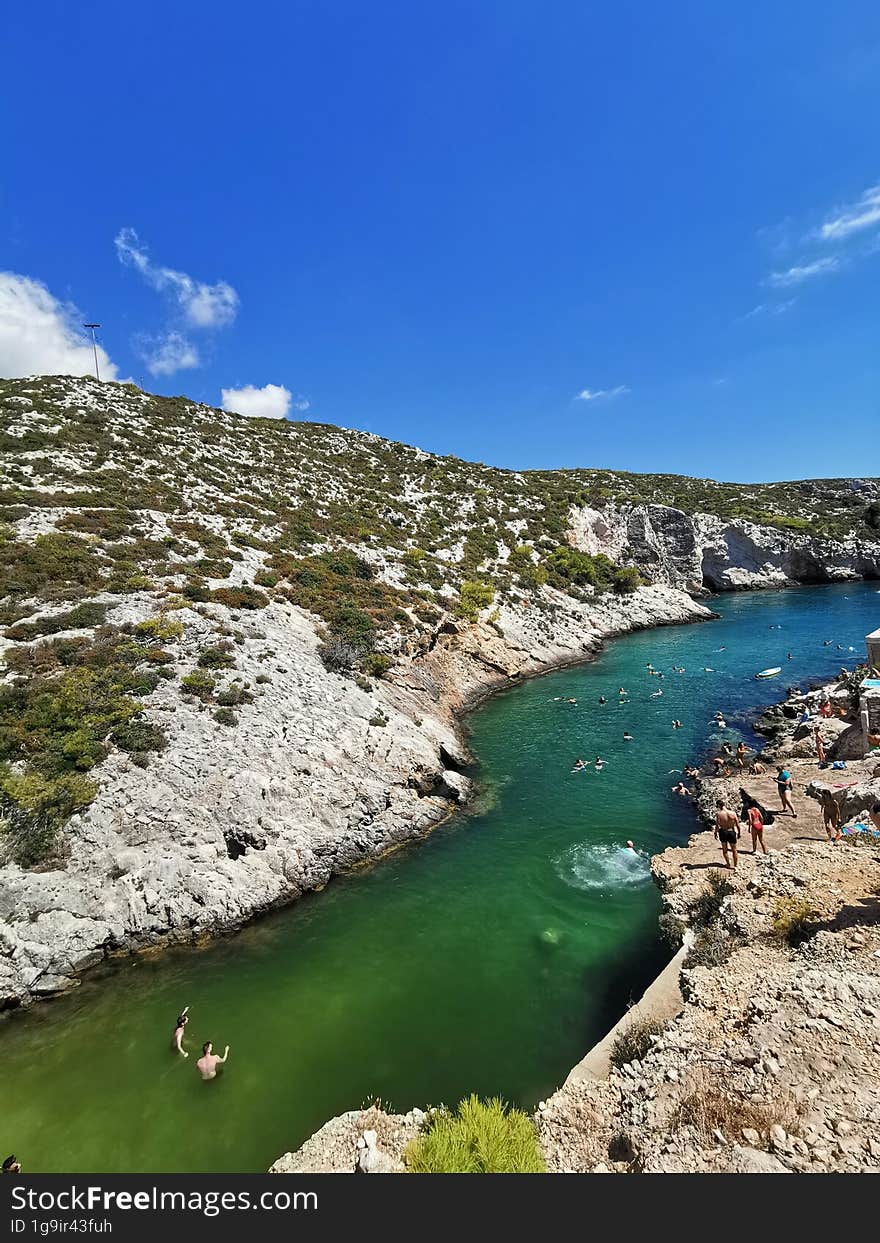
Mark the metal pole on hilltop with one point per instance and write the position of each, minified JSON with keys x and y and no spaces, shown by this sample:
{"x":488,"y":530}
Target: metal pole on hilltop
{"x":92,"y":327}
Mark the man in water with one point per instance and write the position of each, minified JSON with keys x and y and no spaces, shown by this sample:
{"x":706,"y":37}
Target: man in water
{"x":631,"y":847}
{"x":727,"y":830}
{"x":209,"y":1061}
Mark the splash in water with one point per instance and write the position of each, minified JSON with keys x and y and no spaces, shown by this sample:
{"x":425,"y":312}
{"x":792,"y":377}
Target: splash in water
{"x":588,"y":866}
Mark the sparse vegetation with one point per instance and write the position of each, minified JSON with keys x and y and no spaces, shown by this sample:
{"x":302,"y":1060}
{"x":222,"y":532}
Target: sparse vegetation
{"x":635,"y":1040}
{"x":709,"y":1107}
{"x":706,"y":907}
{"x":478,"y":1137}
{"x":793,"y":919}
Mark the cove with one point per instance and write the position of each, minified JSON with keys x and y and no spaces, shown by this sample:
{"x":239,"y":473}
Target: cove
{"x":488,"y":958}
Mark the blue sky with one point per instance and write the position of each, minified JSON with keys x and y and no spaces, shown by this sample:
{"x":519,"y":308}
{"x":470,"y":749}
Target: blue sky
{"x":442,"y":223}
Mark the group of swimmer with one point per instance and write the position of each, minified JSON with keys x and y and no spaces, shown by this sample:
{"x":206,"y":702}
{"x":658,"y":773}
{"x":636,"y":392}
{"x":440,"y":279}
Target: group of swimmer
{"x":209,"y":1061}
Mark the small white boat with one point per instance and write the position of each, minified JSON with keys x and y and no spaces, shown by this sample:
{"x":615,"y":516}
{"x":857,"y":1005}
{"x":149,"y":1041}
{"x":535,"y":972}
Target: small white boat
{"x":769,"y":673}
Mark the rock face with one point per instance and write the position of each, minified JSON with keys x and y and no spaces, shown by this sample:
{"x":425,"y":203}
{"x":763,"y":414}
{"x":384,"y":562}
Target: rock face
{"x":318,"y":776}
{"x":703,"y":551}
{"x":365,"y":1141}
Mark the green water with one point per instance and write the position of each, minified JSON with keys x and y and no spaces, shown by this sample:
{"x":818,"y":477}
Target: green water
{"x":487,"y":959}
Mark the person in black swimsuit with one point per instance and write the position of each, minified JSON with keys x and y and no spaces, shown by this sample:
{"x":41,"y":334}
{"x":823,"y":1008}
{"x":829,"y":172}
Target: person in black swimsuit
{"x":727,"y":830}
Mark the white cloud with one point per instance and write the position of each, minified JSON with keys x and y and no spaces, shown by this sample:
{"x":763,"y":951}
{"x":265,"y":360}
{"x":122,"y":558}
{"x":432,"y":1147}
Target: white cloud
{"x":768,"y":308}
{"x":272,"y":401}
{"x":301,"y":403}
{"x":803,"y":272}
{"x":41,"y":336}
{"x":853,"y":218}
{"x":587,"y":394}
{"x":167,"y":354}
{"x":203,"y":306}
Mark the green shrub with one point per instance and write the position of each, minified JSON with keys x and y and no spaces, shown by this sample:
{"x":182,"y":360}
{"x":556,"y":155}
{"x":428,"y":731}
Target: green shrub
{"x":793,"y":920}
{"x":473,"y":596}
{"x":33,"y":808}
{"x":160,"y":627}
{"x":234,"y":695}
{"x":376,"y":664}
{"x":239,"y":597}
{"x":85,"y":615}
{"x":216,"y":658}
{"x":199,"y":683}
{"x":139,"y":737}
{"x":479,"y":1137}
{"x":225,"y":716}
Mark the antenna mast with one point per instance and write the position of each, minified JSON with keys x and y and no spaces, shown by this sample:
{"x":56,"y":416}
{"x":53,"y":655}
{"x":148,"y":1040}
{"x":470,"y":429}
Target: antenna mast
{"x":92,"y":327}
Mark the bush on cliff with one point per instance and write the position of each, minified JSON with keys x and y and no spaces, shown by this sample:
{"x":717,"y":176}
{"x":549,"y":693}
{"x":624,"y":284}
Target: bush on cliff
{"x":478,"y":1137}
{"x":473,"y":596}
{"x":635,"y":1041}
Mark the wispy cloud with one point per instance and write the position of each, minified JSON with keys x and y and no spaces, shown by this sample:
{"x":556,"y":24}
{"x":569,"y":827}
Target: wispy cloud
{"x":853,"y":218}
{"x":768,"y":308}
{"x":272,"y":401}
{"x":167,"y":354}
{"x":803,"y":272}
{"x":587,"y":394}
{"x":203,"y":305}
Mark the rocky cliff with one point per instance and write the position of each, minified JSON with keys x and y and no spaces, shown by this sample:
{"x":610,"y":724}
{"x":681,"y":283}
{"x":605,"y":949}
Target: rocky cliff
{"x":703,"y":551}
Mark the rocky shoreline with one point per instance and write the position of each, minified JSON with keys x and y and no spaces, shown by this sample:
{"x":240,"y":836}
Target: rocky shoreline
{"x":324,"y":776}
{"x":766,"y":1060}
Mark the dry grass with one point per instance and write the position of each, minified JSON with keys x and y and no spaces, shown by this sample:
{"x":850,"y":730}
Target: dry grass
{"x":708,"y":1107}
{"x":635,"y":1041}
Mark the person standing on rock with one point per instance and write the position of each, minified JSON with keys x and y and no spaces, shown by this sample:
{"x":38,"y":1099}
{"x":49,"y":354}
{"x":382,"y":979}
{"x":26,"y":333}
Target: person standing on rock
{"x":177,"y":1038}
{"x":209,"y":1061}
{"x":756,"y":824}
{"x":727,"y":831}
{"x":830,"y":816}
{"x":783,"y":785}
{"x":741,"y":757}
{"x":874,"y":813}
{"x":820,"y":746}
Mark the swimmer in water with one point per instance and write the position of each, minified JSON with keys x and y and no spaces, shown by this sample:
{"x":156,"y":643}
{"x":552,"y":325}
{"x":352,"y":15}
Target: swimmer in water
{"x":631,"y":847}
{"x":599,"y":762}
{"x":209,"y":1061}
{"x":578,"y":765}
{"x":177,"y":1038}
{"x":656,"y":694}
{"x":621,"y":691}
{"x":602,"y":699}
{"x":627,"y":737}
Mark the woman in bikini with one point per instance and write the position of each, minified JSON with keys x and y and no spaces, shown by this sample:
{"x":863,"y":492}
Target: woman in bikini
{"x":783,"y":785}
{"x":756,"y":824}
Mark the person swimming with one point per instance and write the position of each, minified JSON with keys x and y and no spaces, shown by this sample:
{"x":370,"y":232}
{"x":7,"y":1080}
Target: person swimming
{"x":177,"y":1038}
{"x":627,"y":737}
{"x":631,"y":847}
{"x":602,"y":699}
{"x":209,"y":1061}
{"x":657,"y":693}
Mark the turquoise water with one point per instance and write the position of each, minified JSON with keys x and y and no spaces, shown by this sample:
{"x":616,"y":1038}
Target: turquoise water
{"x":487,"y":959}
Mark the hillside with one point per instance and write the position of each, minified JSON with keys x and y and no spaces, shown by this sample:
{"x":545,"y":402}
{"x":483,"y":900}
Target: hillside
{"x":279,"y":622}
